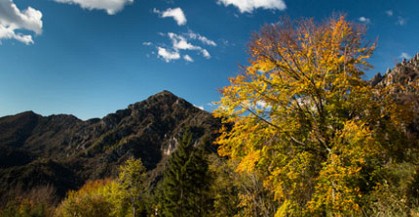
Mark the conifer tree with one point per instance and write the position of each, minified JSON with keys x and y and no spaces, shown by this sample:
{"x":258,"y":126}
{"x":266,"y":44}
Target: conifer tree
{"x":183,"y":191}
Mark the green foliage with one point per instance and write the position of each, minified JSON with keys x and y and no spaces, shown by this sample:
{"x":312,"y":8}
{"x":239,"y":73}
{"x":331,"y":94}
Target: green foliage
{"x":26,"y":208}
{"x":223,"y":188}
{"x":38,"y":202}
{"x":238,"y":194}
{"x":184,"y":188}
{"x":132,"y":179}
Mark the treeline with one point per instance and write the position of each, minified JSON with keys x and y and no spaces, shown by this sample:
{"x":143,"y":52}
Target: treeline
{"x":195,"y":182}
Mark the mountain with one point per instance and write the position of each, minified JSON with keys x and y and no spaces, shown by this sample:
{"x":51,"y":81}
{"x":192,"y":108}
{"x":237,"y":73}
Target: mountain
{"x":403,"y":73}
{"x":402,"y":84}
{"x":64,"y":151}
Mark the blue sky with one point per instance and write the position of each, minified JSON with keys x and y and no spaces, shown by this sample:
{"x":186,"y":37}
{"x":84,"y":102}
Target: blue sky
{"x":92,"y":57}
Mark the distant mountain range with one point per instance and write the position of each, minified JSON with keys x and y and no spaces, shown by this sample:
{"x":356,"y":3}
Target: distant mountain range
{"x":63,"y":151}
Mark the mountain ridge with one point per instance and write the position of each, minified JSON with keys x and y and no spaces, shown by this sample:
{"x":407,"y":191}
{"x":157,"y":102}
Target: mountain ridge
{"x":403,"y":73}
{"x":36,"y":145}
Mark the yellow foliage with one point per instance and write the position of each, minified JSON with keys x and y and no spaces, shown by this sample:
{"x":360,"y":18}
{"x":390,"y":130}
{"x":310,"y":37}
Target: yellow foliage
{"x":95,"y":198}
{"x":320,"y":129}
{"x":90,"y":200}
{"x":248,"y":162}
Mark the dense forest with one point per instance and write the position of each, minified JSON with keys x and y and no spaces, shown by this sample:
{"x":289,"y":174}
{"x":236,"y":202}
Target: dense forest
{"x":303,"y":134}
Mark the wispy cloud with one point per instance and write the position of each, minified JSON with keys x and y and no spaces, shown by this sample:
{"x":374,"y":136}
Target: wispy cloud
{"x":405,"y":55}
{"x":110,"y":6}
{"x":167,"y":55}
{"x":187,"y":58}
{"x":147,"y":43}
{"x":179,"y":42}
{"x":206,"y":54}
{"x":364,"y":20}
{"x":401,"y":21}
{"x":12,"y":20}
{"x":248,"y":6}
{"x":203,"y":39}
{"x":175,"y":13}
{"x":182,"y":45}
{"x":389,"y":13}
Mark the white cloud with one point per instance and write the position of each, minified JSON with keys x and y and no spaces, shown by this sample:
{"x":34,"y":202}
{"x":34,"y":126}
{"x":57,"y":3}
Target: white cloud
{"x":364,"y":20}
{"x":175,"y":13}
{"x":389,"y":13}
{"x":180,"y":43}
{"x":7,"y":33}
{"x":206,"y":54}
{"x":167,"y":55}
{"x":405,"y":55}
{"x":250,"y":5}
{"x":147,"y":43}
{"x":203,"y":39}
{"x":12,"y":19}
{"x":401,"y":21}
{"x":188,"y":58}
{"x":110,"y":6}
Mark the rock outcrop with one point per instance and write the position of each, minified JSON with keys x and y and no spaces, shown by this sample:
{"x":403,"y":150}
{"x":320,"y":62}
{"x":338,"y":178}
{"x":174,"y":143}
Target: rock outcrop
{"x":403,"y":73}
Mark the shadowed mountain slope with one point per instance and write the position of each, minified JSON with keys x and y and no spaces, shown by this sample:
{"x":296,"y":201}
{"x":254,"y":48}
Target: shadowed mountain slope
{"x":64,"y":151}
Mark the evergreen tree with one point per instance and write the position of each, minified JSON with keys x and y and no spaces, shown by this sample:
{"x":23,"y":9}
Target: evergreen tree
{"x":185,"y":184}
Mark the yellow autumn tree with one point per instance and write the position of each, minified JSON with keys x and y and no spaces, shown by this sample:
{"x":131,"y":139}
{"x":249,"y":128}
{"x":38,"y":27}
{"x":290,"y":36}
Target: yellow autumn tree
{"x":93,"y":199}
{"x":302,"y":116}
{"x":123,"y":197}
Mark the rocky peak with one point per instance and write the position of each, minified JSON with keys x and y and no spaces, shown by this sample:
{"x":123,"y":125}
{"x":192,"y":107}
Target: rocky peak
{"x":160,"y":101}
{"x":403,"y":73}
{"x":165,"y":94}
{"x":414,"y":62}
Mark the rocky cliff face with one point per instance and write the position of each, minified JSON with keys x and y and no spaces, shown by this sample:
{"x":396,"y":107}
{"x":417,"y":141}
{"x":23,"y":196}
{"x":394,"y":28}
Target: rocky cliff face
{"x":402,"y":84}
{"x":64,"y":151}
{"x":404,"y":73}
